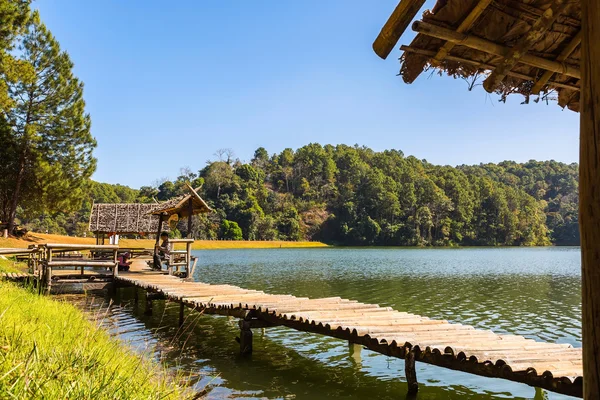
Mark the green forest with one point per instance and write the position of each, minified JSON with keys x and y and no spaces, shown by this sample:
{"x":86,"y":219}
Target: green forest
{"x":352,"y":195}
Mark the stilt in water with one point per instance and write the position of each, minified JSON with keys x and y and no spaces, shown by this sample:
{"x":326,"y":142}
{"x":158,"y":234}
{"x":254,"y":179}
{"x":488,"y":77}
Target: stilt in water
{"x":411,"y":372}
{"x":148,"y":310}
{"x":245,"y":338}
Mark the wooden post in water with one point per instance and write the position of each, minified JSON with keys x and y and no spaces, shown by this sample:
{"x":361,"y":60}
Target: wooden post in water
{"x":245,"y":338}
{"x":589,"y":195}
{"x":148,"y":310}
{"x":411,"y":372}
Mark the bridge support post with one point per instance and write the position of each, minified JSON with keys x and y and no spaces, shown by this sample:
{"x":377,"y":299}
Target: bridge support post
{"x":245,"y":338}
{"x":411,"y":372}
{"x":148,"y":310}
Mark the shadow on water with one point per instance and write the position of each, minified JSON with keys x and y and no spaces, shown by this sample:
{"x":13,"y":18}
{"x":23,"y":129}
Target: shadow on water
{"x":293,"y":365}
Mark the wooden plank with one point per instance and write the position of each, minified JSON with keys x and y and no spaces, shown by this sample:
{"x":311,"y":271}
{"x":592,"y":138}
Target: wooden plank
{"x":90,"y":263}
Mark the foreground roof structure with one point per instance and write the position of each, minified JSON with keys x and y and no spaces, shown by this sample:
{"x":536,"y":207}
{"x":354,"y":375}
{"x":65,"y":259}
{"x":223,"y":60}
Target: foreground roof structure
{"x":526,"y":47}
{"x":531,"y":47}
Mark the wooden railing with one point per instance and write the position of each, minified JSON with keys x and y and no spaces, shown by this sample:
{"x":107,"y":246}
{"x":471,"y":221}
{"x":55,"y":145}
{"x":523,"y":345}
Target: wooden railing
{"x":49,"y":262}
{"x":180,"y":258}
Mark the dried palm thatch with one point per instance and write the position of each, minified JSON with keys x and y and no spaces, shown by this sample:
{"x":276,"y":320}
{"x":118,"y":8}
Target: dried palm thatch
{"x":183,"y":206}
{"x":531,"y":47}
{"x":124,"y":218}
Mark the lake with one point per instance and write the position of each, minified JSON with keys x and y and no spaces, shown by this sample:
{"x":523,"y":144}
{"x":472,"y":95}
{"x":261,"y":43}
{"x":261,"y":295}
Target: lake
{"x":534,"y":292}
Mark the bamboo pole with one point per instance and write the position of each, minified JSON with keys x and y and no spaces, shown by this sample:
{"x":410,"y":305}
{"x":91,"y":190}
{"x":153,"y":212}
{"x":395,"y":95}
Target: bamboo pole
{"x":589,"y":196}
{"x":537,"y":87}
{"x":524,"y":44}
{"x":395,"y":26}
{"x":467,"y":23}
{"x":429,"y":53}
{"x":486,"y":46}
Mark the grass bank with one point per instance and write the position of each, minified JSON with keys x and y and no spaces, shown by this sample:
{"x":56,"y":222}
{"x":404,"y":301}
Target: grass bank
{"x":49,"y":350}
{"x":33,"y":238}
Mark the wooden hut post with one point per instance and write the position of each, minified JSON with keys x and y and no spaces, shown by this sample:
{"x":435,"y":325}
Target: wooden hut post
{"x":589,"y":196}
{"x":191,"y":214}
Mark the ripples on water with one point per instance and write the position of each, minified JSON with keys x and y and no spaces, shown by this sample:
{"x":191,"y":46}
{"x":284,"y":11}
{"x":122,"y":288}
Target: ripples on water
{"x":533,"y":292}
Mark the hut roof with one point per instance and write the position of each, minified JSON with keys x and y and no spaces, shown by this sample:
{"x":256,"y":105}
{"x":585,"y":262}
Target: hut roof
{"x":143,"y":218}
{"x":124,"y":218}
{"x":529,"y":47}
{"x":181,"y":205}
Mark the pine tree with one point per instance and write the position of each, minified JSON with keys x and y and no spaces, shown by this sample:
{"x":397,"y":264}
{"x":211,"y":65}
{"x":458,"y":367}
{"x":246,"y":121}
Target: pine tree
{"x":13,"y":19}
{"x":50,"y":151}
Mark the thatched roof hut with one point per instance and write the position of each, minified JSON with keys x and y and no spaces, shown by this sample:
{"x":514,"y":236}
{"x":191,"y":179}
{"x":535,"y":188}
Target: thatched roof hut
{"x":529,"y":47}
{"x":124,"y":218}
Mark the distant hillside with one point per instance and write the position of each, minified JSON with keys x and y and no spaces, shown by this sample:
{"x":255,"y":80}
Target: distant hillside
{"x":355,"y":196}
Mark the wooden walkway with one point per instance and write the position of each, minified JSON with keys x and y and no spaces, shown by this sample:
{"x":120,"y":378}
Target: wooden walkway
{"x":555,"y":367}
{"x":16,"y":276}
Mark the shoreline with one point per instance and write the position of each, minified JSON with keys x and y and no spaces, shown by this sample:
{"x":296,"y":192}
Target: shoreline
{"x":33,"y":238}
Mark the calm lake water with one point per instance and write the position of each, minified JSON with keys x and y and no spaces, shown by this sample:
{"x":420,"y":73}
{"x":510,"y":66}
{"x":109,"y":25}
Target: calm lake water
{"x":534,"y":292}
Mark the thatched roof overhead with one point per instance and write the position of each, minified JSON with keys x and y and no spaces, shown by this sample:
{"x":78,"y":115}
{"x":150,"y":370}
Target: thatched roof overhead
{"x":124,"y":218}
{"x":529,"y":47}
{"x":181,"y":205}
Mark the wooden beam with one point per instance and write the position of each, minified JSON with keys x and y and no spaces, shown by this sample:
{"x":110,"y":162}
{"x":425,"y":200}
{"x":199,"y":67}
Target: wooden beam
{"x":486,"y":46}
{"x":561,"y":57}
{"x":589,"y":195}
{"x":525,"y":44}
{"x":405,"y":12}
{"x":463,"y":27}
{"x":429,"y":53}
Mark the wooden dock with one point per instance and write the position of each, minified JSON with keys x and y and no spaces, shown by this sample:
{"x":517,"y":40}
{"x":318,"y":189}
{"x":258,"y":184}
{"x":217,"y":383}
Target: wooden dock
{"x":555,"y":367}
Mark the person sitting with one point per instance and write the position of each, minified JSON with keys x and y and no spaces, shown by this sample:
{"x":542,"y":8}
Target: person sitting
{"x":162,"y":251}
{"x":123,"y":263}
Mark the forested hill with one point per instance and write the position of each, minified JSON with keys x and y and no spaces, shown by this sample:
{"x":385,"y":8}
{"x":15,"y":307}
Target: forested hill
{"x":356,"y":196}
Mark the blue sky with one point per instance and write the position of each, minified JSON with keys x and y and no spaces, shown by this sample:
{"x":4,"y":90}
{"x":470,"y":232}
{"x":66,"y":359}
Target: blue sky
{"x":169,"y":83}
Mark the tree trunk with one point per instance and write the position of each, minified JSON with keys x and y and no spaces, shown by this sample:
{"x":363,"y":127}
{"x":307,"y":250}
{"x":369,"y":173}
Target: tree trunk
{"x":15,"y":198}
{"x":589,"y":192}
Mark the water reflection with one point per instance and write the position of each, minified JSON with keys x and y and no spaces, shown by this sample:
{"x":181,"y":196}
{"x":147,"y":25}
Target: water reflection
{"x":534,"y":292}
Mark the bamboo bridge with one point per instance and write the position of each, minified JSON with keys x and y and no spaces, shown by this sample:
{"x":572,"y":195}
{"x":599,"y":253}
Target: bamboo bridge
{"x":550,"y":366}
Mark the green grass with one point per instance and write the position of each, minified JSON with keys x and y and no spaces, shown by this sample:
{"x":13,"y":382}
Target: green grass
{"x":49,"y":350}
{"x":8,"y":265}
